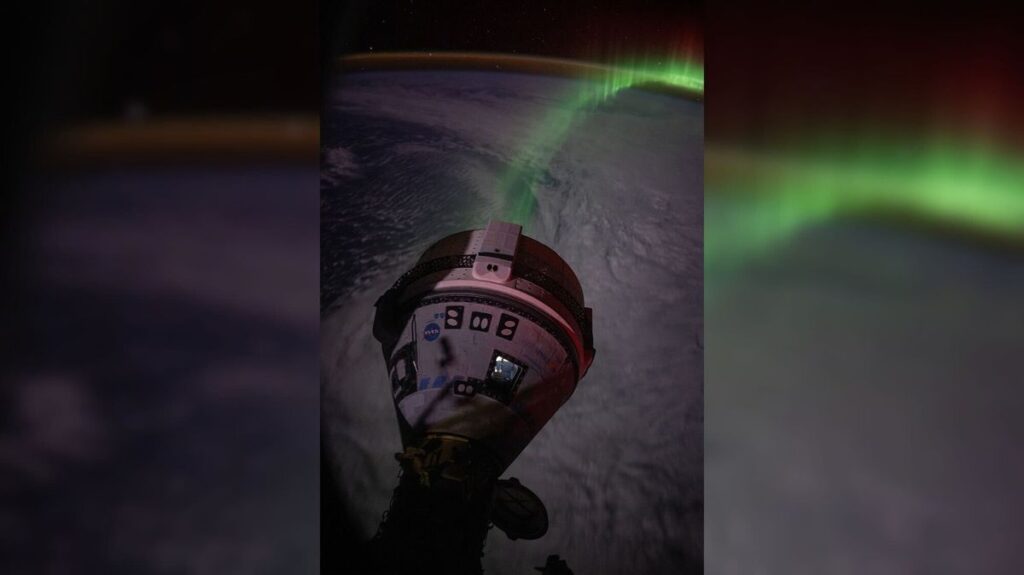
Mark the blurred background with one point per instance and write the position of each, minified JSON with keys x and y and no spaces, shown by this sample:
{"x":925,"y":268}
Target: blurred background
{"x":160,"y":246}
{"x":864,"y":269}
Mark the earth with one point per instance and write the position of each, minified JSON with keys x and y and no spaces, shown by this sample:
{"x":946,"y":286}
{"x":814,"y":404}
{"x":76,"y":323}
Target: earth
{"x":160,"y":399}
{"x":863,"y":406}
{"x":411,"y":156}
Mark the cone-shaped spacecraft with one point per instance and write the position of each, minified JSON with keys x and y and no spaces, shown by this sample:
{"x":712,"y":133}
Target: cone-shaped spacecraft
{"x":484,"y":339}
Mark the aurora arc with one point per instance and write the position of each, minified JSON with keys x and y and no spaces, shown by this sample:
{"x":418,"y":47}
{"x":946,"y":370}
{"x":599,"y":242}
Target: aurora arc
{"x":530,"y":163}
{"x":756,"y":201}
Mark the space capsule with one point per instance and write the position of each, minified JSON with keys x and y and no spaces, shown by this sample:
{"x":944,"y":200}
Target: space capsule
{"x":484,"y":339}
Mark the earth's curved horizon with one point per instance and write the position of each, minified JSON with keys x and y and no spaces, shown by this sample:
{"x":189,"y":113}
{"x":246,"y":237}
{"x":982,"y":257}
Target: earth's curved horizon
{"x":497,"y":62}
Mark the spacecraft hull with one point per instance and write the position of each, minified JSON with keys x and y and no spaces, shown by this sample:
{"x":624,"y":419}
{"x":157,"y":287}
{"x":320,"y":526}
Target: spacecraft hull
{"x":485,"y":338}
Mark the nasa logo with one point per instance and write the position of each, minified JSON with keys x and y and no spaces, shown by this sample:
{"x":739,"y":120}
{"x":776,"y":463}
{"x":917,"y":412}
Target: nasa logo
{"x":431,"y":331}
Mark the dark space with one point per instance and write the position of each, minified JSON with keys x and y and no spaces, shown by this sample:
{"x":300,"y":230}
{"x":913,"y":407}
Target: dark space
{"x":589,"y":30}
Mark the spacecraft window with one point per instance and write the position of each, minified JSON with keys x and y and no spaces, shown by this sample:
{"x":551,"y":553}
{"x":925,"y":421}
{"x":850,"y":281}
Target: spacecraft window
{"x":503,"y":377}
{"x":505,"y":370}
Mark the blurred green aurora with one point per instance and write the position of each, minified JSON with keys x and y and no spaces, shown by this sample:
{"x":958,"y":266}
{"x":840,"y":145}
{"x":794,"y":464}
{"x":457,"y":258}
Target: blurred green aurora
{"x":755,"y":201}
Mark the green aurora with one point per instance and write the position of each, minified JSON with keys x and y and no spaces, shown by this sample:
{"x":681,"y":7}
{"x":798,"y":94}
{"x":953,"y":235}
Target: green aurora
{"x":757,"y":201}
{"x":531,"y":162}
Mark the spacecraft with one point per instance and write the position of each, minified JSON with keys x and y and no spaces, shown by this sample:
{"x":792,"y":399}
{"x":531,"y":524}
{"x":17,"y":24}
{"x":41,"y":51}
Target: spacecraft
{"x":484,"y":339}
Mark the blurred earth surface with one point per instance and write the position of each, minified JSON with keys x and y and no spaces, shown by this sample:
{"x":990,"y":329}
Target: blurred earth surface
{"x":159,"y":398}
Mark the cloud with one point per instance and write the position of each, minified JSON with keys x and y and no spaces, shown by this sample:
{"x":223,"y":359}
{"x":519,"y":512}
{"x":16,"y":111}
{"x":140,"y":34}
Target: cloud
{"x":56,"y":421}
